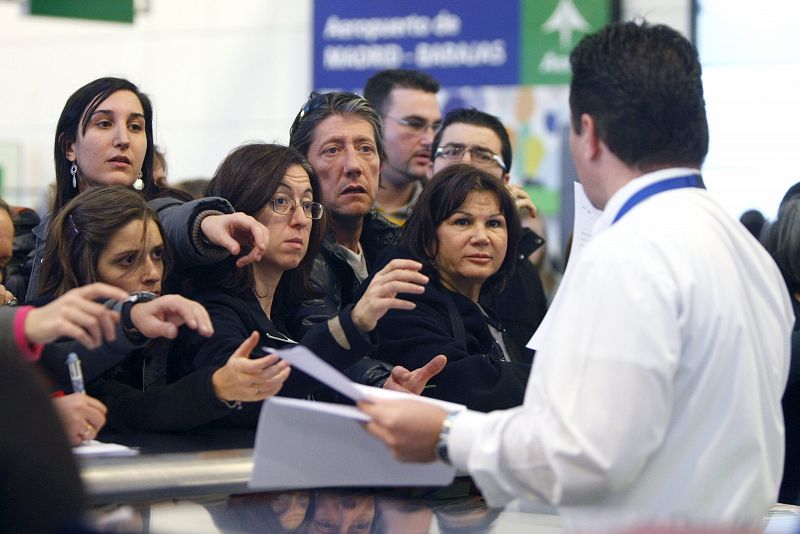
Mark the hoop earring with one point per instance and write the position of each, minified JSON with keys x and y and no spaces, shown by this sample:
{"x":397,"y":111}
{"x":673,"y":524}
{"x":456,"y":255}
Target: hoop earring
{"x":138,"y":184}
{"x":73,"y":170}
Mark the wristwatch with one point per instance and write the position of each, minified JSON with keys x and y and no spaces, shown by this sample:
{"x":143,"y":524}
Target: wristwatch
{"x":124,"y":308}
{"x":444,"y":437}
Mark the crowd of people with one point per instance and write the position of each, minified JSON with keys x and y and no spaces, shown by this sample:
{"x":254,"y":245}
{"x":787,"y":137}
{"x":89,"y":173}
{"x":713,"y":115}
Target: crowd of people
{"x":389,"y":240}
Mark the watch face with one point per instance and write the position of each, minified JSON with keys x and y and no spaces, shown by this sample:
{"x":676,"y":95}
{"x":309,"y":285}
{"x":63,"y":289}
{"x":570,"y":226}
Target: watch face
{"x":141,"y":296}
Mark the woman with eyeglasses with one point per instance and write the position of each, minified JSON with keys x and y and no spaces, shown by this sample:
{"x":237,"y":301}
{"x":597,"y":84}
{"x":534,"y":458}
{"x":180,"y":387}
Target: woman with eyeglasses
{"x":278,"y":187}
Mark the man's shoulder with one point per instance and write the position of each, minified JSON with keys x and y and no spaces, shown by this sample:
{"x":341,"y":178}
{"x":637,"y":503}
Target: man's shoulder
{"x":377,"y":233}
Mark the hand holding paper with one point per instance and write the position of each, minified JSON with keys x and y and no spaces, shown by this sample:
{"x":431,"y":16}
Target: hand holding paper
{"x":408,"y":427}
{"x":301,"y":443}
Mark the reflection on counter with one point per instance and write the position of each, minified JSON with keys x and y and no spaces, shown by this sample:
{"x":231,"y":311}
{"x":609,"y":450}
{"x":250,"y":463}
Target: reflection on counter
{"x":312,"y":512}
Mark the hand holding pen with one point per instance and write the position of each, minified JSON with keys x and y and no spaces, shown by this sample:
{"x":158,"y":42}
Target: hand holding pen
{"x":83,"y":416}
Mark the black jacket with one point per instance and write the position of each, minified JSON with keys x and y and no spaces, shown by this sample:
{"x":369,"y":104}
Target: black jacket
{"x":522,"y":304}
{"x":471,"y":377}
{"x":234,"y":317}
{"x":332,"y":280}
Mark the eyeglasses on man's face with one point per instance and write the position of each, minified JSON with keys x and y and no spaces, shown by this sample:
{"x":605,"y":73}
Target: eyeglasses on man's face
{"x":286,"y":206}
{"x":416,"y":124}
{"x":480,"y":156}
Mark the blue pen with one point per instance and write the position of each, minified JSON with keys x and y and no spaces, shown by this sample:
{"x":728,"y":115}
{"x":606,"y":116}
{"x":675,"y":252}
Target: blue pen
{"x":75,"y":373}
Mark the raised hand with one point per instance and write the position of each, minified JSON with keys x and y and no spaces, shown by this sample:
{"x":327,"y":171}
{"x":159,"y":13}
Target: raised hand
{"x":75,"y":314}
{"x":415,"y":381}
{"x":81,"y":416}
{"x":233,"y":231}
{"x":246,"y":380}
{"x":523,"y":201}
{"x":6,"y":296}
{"x":162,"y":316}
{"x":399,"y":276}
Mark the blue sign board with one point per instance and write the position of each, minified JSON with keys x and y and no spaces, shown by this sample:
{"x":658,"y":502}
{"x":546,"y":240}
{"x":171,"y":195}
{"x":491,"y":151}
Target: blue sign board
{"x":459,"y":42}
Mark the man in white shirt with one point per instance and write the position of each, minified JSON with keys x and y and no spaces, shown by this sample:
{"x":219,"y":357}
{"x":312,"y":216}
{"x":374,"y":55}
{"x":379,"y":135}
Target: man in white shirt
{"x":655,"y":397}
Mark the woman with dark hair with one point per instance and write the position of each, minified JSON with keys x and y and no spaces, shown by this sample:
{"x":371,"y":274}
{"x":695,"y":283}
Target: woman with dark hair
{"x":278,"y":187}
{"x":104,"y":136}
{"x":463,"y":230}
{"x":111,"y":235}
{"x":782,"y":241}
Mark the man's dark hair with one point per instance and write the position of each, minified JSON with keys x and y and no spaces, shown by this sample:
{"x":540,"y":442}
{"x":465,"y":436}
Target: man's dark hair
{"x":445,"y":193}
{"x":380,"y":85}
{"x":642,"y":85}
{"x":476,"y":118}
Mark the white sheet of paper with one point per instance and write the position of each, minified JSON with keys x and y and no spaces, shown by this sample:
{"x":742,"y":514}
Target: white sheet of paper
{"x":311,"y":364}
{"x":585,"y":217}
{"x":99,"y":448}
{"x":583,"y":228}
{"x":369,"y":391}
{"x":302,"y":444}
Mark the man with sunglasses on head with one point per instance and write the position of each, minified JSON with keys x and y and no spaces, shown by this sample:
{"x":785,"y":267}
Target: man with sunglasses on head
{"x":480,"y":139}
{"x":340,"y":135}
{"x":406,"y":102}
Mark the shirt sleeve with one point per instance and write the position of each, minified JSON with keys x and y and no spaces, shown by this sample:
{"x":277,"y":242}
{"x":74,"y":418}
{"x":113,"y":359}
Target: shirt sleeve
{"x":29,"y":351}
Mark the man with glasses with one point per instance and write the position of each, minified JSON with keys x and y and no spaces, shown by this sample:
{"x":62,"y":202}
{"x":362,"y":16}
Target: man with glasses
{"x":406,"y":102}
{"x":480,"y":139}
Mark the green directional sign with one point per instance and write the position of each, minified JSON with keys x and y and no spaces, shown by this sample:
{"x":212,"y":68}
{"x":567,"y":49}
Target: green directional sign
{"x":550,"y":29}
{"x":110,"y":10}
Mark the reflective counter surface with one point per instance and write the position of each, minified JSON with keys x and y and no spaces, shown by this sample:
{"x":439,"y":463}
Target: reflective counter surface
{"x":198,"y":484}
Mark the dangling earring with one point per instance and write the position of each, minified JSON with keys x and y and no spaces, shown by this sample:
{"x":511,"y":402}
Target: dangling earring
{"x":138,"y":184}
{"x":73,"y":170}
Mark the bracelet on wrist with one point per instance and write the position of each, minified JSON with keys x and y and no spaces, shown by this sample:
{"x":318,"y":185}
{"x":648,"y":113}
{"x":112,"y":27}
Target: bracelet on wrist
{"x":232,"y":405}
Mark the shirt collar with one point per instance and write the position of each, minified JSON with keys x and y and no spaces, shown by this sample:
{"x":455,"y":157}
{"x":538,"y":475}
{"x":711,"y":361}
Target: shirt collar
{"x":625,"y":192}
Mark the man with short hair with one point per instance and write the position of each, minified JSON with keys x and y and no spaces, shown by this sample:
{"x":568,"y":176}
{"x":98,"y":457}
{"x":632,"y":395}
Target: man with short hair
{"x":406,"y":102}
{"x":480,"y":139}
{"x":654,"y":403}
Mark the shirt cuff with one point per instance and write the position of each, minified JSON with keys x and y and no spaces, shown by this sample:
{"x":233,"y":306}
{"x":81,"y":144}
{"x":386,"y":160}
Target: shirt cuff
{"x":465,"y":430}
{"x":30,"y":351}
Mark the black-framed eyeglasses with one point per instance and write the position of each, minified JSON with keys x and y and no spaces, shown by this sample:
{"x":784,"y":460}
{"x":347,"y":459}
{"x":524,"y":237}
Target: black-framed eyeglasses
{"x":482,"y":157}
{"x":417,"y":125}
{"x":286,"y":206}
{"x":317,"y":100}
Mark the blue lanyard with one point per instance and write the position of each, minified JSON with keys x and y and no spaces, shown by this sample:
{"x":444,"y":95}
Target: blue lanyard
{"x":656,"y":188}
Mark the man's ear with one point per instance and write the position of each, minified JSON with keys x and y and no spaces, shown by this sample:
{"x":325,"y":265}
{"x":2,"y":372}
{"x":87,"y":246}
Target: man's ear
{"x":506,"y":178}
{"x":589,"y":136}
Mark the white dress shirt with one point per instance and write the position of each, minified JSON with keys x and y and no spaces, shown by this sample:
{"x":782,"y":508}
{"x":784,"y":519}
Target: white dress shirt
{"x":655,"y":395}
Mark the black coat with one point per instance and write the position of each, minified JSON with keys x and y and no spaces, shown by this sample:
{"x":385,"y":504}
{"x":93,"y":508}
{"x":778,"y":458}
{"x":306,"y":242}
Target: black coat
{"x":235,"y":317}
{"x":522,"y":304}
{"x":333,"y":282}
{"x":412,"y":337}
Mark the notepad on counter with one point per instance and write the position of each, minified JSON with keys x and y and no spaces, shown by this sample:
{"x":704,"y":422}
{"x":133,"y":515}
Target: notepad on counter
{"x":99,"y":448}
